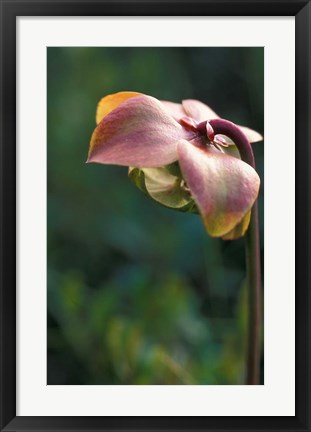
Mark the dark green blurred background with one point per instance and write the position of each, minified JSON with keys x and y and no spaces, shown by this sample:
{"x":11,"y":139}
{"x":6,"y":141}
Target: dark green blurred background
{"x":137,"y":293}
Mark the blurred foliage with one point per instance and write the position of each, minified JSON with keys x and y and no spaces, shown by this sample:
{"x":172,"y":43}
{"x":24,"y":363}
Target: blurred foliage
{"x":137,"y":293}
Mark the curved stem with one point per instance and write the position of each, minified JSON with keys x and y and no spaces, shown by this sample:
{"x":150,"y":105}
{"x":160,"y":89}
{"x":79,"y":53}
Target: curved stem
{"x":229,"y":129}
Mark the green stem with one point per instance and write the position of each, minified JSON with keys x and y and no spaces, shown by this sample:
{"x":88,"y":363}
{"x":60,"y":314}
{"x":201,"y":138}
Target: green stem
{"x":229,"y":129}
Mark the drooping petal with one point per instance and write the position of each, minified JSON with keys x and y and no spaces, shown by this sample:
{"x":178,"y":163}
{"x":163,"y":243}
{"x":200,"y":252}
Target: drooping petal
{"x":110,"y":102}
{"x":175,"y":109}
{"x":224,"y":188}
{"x":164,"y":185}
{"x":251,"y":134}
{"x":198,"y":110}
{"x":139,"y":132}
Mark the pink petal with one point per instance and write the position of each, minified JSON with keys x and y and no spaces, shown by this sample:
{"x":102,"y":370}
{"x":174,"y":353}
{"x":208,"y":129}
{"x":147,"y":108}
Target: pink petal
{"x":175,"y":109}
{"x":224,"y":188}
{"x":138,"y":132}
{"x":198,"y":110}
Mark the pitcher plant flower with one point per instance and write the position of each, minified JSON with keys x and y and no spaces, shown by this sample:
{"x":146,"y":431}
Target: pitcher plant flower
{"x":187,"y":158}
{"x":176,"y":157}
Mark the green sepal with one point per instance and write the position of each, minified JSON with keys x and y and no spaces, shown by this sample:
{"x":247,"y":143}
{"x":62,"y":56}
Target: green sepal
{"x":165,"y":185}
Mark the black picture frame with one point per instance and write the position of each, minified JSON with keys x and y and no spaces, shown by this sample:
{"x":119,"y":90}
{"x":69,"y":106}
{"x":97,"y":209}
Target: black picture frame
{"x":10,"y":9}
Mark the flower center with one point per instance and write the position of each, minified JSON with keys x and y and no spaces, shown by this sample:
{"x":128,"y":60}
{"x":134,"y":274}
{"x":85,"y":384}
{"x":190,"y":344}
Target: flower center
{"x":205,"y":130}
{"x":188,"y":123}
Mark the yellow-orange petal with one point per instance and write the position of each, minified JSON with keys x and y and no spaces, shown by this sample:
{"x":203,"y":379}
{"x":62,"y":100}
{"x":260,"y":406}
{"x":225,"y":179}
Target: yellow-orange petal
{"x":110,"y":102}
{"x":240,"y":229}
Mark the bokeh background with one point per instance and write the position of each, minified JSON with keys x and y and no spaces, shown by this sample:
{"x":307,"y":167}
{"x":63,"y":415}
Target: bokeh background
{"x":137,"y":293}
